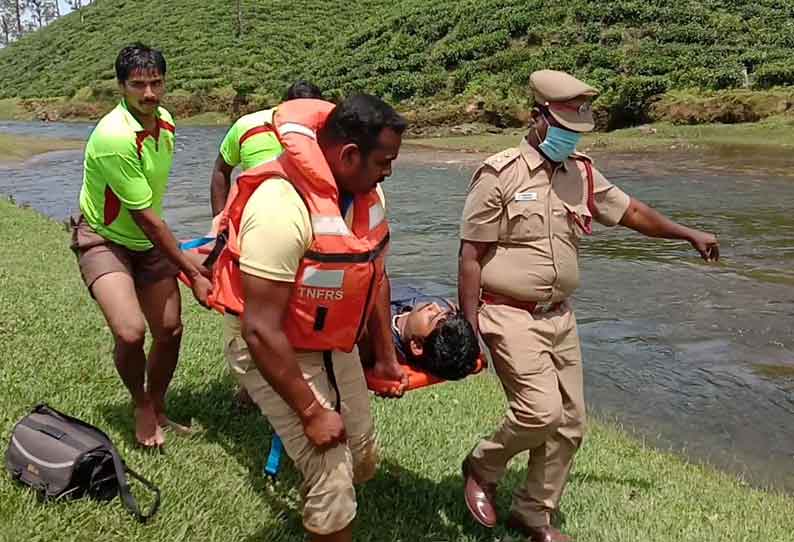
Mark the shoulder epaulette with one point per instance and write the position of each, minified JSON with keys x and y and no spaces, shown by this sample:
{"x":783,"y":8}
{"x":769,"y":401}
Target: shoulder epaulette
{"x":581,"y":156}
{"x":500,"y":160}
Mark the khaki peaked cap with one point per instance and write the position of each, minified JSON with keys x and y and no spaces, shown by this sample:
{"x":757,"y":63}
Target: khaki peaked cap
{"x":561,"y":93}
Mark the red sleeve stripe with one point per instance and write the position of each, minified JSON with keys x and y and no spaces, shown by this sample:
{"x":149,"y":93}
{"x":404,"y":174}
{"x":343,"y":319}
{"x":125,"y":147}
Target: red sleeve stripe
{"x":256,"y":130}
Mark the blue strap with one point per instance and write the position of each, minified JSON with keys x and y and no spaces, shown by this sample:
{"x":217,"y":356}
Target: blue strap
{"x":195,"y":243}
{"x":274,"y":458}
{"x":345,"y":201}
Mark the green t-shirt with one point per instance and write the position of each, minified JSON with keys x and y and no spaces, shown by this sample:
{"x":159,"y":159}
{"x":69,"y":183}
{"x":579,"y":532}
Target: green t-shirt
{"x":125,"y":169}
{"x":248,"y":144}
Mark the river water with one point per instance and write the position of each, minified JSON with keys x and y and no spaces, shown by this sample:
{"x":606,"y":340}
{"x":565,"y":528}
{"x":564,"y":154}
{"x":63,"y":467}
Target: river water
{"x":697,"y":358}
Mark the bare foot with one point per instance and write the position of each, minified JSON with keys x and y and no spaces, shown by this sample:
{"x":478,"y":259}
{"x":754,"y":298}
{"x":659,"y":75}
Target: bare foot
{"x":394,"y":373}
{"x":164,"y":422}
{"x":147,"y":430}
{"x":167,"y":424}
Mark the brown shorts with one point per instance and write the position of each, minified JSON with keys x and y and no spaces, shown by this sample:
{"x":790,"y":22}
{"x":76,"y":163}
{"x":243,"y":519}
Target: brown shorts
{"x":98,"y":256}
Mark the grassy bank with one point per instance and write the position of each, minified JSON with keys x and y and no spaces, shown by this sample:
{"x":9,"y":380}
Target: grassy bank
{"x":439,"y":114}
{"x":776,"y":134}
{"x":682,"y":121}
{"x":55,"y":347}
{"x":771,"y":136}
{"x":15,"y":148}
{"x":12,"y":109}
{"x":63,"y":110}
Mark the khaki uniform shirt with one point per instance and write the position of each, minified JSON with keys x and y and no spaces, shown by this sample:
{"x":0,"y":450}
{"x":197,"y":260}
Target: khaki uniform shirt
{"x":513,"y":203}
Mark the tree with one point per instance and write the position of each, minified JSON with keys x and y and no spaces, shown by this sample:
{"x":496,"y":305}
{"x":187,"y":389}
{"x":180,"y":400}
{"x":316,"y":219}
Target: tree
{"x":18,"y":7}
{"x":77,"y":5}
{"x":10,"y":20}
{"x":5,"y":26}
{"x":43,"y":11}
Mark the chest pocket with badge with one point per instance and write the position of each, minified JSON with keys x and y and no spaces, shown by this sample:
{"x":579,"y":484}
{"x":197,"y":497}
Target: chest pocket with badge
{"x":524,"y":203}
{"x":526,"y":216}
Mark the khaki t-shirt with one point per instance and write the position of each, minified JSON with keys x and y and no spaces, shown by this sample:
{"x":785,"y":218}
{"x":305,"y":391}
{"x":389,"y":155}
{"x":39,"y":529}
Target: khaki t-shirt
{"x":532,"y":221}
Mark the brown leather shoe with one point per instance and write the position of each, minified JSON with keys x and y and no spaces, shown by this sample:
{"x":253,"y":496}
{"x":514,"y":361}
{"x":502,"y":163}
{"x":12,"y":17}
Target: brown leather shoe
{"x":479,"y":497}
{"x":547,"y":533}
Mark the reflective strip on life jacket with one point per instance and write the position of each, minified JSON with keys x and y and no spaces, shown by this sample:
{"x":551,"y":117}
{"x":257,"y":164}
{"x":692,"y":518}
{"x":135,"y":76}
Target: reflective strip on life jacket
{"x":314,"y":276}
{"x":377,"y":214}
{"x":330,"y":225}
{"x":295,"y":128}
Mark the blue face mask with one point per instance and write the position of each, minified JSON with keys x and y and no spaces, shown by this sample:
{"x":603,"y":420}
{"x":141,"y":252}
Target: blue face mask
{"x":559,"y":144}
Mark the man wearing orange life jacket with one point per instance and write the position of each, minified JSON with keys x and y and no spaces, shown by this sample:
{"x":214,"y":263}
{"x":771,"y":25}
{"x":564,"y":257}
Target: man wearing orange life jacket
{"x":304,"y":269}
{"x":249,"y":143}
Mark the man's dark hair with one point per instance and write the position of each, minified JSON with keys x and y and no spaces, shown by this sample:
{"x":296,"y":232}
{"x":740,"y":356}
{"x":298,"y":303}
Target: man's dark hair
{"x":303,"y":89}
{"x":451,"y":350}
{"x":360,"y":119}
{"x":138,"y":57}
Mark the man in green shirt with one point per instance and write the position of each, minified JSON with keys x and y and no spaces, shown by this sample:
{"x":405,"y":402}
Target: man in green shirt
{"x":128,"y":257}
{"x":249,"y":143}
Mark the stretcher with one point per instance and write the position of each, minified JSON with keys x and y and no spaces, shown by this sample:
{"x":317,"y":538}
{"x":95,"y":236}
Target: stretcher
{"x":201,"y":247}
{"x":416,"y":379}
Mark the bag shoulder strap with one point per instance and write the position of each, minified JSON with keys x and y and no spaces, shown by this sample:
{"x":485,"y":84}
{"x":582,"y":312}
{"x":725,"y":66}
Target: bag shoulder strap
{"x":127,"y":498}
{"x":124,"y":488}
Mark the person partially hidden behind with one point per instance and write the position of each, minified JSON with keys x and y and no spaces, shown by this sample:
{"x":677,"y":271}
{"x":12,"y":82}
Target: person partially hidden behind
{"x":430,"y":334}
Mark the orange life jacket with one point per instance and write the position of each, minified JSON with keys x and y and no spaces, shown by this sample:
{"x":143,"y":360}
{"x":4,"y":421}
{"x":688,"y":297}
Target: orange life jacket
{"x":339,"y":276}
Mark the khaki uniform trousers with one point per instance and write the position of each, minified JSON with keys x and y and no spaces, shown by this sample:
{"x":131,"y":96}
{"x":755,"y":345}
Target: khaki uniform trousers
{"x":539,"y":361}
{"x":329,"y":498}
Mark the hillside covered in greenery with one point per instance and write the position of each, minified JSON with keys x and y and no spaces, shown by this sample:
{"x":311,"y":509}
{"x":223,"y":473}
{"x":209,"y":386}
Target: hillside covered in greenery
{"x":418,"y":53}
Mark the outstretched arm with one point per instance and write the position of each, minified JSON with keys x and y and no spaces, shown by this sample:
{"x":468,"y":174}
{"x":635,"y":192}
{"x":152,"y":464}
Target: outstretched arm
{"x":648,"y":221}
{"x":160,"y":235}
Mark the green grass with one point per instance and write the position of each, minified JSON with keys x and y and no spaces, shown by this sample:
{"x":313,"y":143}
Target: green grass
{"x":55,"y":347}
{"x":11,"y":109}
{"x":15,"y":148}
{"x":445,"y":51}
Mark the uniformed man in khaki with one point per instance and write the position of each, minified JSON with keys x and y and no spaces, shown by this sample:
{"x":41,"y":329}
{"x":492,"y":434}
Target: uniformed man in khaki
{"x":525,"y":212}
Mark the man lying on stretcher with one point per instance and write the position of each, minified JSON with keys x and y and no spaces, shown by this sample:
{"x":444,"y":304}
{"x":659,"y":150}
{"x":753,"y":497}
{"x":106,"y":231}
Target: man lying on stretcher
{"x":430,"y":334}
{"x":433,"y":340}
